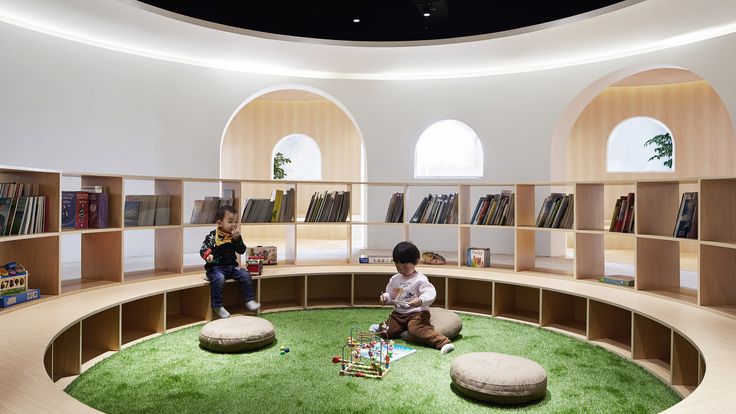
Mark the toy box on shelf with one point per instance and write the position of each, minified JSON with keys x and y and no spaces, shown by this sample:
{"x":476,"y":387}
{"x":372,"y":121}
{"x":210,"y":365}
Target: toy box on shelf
{"x":375,"y":259}
{"x":268,"y":254}
{"x":254,"y":265}
{"x":14,"y":285}
{"x":478,"y":257}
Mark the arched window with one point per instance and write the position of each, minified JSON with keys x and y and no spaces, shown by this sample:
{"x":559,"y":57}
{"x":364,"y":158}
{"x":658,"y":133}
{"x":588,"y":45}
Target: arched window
{"x":305,"y":156}
{"x":448,"y":148}
{"x":640,"y":144}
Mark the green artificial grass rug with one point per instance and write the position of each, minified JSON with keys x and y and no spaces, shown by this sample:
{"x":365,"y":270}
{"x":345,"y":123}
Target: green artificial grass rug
{"x":171,"y":374}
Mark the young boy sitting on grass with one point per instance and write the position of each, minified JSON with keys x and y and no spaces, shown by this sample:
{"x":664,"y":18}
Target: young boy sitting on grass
{"x":219,"y":251}
{"x":411,"y":293}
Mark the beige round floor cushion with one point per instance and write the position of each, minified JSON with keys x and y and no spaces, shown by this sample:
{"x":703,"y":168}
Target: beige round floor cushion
{"x":498,"y":378}
{"x":444,"y":321}
{"x":236,"y":334}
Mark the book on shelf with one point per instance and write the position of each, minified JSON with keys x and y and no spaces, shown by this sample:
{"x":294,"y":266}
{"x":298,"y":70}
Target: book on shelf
{"x":622,"y":220}
{"x":5,"y":204}
{"x":147,"y":210}
{"x":22,"y":209}
{"x":478,"y":257}
{"x":277,"y":209}
{"x":330,"y":206}
{"x":98,"y":210}
{"x":494,"y":209}
{"x":395,"y":211}
{"x":686,"y":224}
{"x":556,"y":211}
{"x":131,"y":212}
{"x":83,"y":209}
{"x":618,"y":280}
{"x":205,"y":211}
{"x":437,"y":209}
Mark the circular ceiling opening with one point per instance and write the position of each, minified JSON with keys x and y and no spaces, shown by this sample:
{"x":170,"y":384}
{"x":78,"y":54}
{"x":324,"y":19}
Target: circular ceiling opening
{"x":382,"y":20}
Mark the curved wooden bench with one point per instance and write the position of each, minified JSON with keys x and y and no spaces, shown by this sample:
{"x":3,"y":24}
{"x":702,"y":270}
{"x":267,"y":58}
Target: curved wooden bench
{"x":28,"y":333}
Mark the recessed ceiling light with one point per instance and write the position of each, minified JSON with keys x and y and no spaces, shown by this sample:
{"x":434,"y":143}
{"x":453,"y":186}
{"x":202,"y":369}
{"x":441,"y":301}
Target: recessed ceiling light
{"x":426,"y":14}
{"x":356,"y":20}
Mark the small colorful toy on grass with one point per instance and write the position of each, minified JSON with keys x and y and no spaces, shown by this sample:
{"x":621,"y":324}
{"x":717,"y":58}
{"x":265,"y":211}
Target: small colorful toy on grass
{"x":283,"y":350}
{"x":368,"y":355}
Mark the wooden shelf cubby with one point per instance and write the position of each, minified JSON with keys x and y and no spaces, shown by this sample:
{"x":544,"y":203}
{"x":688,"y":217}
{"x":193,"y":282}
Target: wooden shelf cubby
{"x":516,"y":302}
{"x":232,"y":297}
{"x":66,"y":360}
{"x":657,"y":205}
{"x":282,"y":292}
{"x":440,"y":285}
{"x":368,"y":287}
{"x":329,"y":290}
{"x":610,"y":327}
{"x":685,"y":364}
{"x":717,"y":281}
{"x":187,"y":306}
{"x":100,"y":333}
{"x":562,"y":311}
{"x":474,"y":296}
{"x":652,"y":346}
{"x":717,"y":210}
{"x":658,"y":268}
{"x":40,"y":256}
{"x":101,"y":260}
{"x":142,"y":318}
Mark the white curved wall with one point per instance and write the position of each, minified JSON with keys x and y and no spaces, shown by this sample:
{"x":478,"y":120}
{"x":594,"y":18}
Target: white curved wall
{"x":74,"y":107}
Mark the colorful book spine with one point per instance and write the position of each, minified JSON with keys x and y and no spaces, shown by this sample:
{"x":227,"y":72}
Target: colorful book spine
{"x":68,"y":209}
{"x":618,"y":280}
{"x":82,"y":209}
{"x":98,"y":210}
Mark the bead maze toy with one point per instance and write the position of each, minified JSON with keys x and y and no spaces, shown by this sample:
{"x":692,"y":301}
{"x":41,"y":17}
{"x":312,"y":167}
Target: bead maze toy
{"x":365,"y":354}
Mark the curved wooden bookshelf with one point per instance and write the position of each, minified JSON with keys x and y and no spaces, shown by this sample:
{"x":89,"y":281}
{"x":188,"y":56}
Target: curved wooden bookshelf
{"x":57,"y":339}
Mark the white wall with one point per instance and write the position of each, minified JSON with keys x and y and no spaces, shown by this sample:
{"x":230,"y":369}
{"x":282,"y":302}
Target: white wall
{"x":74,"y":107}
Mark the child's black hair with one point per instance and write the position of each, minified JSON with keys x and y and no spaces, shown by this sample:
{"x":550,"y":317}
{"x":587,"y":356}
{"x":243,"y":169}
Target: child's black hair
{"x":225,"y":209}
{"x":406,"y":252}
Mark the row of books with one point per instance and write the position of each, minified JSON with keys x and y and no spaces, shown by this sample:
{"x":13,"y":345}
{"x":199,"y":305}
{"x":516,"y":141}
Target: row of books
{"x":437,"y":209}
{"x":395,"y":211}
{"x":88,"y":208}
{"x":557,"y":211}
{"x":686,"y":225}
{"x":494,"y":210}
{"x":147,"y":210}
{"x":622,"y":220}
{"x":328,"y":207}
{"x":278,"y":209}
{"x":22,"y":209}
{"x":22,"y":215}
{"x":204,"y":211}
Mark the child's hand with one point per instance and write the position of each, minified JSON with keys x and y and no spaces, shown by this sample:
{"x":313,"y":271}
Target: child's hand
{"x":235,"y":233}
{"x":210,"y":258}
{"x":415,"y":303}
{"x":382,"y":299}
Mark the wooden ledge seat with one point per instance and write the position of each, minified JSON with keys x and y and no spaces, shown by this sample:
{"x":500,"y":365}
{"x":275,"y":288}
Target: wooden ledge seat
{"x":498,"y":378}
{"x":444,"y":321}
{"x":237,"y":334}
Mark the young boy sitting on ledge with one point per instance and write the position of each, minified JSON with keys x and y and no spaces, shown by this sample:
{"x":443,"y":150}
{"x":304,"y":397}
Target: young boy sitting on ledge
{"x":218,"y":250}
{"x":411,"y":293}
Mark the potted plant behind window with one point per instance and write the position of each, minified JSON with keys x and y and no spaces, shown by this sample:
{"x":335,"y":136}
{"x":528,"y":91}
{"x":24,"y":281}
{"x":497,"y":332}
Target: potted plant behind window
{"x":278,"y":161}
{"x":663,"y":148}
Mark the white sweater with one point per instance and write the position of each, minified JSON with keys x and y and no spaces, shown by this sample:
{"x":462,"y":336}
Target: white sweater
{"x":401,"y":290}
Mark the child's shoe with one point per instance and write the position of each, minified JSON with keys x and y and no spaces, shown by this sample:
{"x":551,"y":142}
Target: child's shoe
{"x":447,"y":348}
{"x":374,"y":328}
{"x":252,"y":305}
{"x":221,"y":312}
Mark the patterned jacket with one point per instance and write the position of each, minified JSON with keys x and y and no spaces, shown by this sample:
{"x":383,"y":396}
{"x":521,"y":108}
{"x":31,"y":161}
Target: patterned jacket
{"x":224,"y":254}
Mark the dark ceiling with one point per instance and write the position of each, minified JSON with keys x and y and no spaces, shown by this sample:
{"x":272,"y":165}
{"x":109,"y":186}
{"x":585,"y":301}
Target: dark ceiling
{"x":380,"y":20}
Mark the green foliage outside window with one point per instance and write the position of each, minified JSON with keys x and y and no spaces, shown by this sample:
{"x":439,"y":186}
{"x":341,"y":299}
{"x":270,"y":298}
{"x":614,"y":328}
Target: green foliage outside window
{"x":278,"y":161}
{"x":663,"y":148}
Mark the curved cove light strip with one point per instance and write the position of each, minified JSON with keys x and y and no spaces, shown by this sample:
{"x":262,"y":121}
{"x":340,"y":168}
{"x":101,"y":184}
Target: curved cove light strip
{"x":116,"y":25}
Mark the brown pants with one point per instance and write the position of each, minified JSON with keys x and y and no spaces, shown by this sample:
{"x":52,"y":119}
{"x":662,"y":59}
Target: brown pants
{"x":419,"y":328}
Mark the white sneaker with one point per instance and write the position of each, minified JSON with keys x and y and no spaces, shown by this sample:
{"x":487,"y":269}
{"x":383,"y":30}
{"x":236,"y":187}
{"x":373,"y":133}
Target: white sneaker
{"x":252,"y":305}
{"x":221,"y":312}
{"x":374,"y":327}
{"x":447,"y":348}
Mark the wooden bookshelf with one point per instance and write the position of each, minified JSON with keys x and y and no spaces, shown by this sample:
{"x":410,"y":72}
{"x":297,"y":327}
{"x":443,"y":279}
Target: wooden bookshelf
{"x":652,"y":346}
{"x":368,"y":287}
{"x":474,"y":296}
{"x":66,"y":353}
{"x":610,"y":327}
{"x":285,"y":292}
{"x":685,"y":365}
{"x":187,"y":306}
{"x":329,"y":290}
{"x":142,"y":318}
{"x":516,"y":302}
{"x":565,"y":312}
{"x":100,"y":333}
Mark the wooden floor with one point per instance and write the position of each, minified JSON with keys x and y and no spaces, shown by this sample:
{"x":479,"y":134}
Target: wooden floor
{"x":28,"y":332}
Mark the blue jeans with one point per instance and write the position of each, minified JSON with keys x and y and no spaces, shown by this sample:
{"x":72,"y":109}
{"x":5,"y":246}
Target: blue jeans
{"x":217,"y":275}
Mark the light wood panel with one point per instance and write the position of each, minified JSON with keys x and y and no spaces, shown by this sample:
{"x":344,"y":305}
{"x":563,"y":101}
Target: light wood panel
{"x":102,"y":256}
{"x":652,"y":342}
{"x":717,"y":280}
{"x":101,"y":333}
{"x":169,"y":250}
{"x":516,"y":302}
{"x":41,"y":256}
{"x":173,"y":188}
{"x":589,"y":256}
{"x":611,"y":324}
{"x":564,"y":311}
{"x":282,"y":292}
{"x":659,"y":76}
{"x":657,"y":264}
{"x":588,"y":206}
{"x":253,"y":132}
{"x":67,"y":353}
{"x":367,"y":288}
{"x":700,"y":124}
{"x":685,"y":361}
{"x":329,"y":290}
{"x":187,"y":306}
{"x":717,"y":210}
{"x":142,"y":317}
{"x":656,"y":206}
{"x":470,"y":296}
